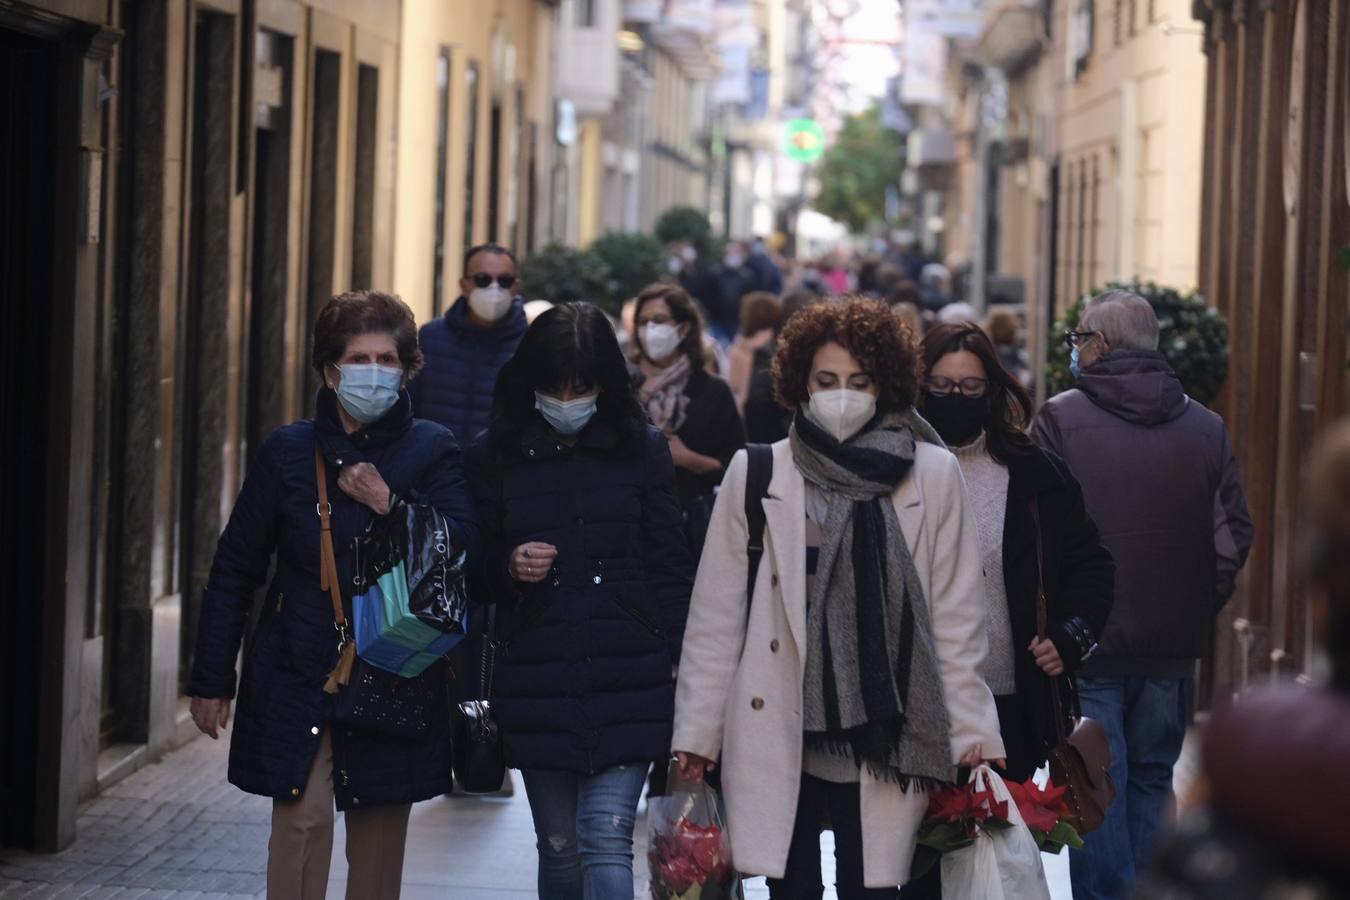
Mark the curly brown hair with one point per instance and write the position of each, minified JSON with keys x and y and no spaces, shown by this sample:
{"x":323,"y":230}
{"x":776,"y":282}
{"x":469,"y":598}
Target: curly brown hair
{"x":881,"y":343}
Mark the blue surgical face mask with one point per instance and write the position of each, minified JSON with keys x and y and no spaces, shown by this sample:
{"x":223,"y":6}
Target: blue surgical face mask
{"x":368,"y":391}
{"x":1075,"y":368}
{"x":567,"y":417}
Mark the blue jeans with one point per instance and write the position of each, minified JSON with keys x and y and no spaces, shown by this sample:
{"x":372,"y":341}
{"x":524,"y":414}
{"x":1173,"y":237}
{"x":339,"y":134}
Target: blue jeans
{"x":584,"y":828}
{"x":1145,"y":720}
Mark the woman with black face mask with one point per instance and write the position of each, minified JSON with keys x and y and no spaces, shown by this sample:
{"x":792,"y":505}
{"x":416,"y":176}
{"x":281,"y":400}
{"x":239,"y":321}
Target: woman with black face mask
{"x":1016,"y":489}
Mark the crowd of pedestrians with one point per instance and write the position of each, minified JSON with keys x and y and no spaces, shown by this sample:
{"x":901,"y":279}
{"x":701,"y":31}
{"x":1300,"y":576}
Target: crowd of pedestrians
{"x":831,"y":620}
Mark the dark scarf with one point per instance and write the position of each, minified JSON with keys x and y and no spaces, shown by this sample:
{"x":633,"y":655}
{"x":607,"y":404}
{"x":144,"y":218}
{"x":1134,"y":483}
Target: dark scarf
{"x":872,"y":683}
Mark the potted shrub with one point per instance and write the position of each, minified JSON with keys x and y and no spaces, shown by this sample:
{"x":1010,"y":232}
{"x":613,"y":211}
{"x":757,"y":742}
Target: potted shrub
{"x":560,"y":274}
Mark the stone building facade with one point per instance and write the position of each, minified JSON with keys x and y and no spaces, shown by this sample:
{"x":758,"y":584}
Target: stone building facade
{"x":187,"y":183}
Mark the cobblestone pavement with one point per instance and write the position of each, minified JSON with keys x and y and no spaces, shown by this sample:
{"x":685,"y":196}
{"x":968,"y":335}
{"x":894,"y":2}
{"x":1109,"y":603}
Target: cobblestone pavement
{"x":176,"y":829}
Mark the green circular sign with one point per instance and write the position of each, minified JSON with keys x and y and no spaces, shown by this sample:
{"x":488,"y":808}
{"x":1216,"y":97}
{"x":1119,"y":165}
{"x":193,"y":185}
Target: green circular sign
{"x":803,"y":140}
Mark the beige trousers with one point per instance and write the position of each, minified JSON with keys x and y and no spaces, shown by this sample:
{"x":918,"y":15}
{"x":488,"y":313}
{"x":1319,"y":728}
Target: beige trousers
{"x":301,"y":846}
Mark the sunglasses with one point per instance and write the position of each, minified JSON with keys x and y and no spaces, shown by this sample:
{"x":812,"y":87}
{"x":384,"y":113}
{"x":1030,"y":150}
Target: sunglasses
{"x":483,"y":279}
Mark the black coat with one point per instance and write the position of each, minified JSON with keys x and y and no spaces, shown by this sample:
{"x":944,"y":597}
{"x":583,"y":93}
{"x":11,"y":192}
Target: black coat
{"x":712,"y":427}
{"x":282,"y":707}
{"x":1079,"y":580}
{"x":765,"y":421}
{"x":585,"y":680}
{"x":462,"y":362}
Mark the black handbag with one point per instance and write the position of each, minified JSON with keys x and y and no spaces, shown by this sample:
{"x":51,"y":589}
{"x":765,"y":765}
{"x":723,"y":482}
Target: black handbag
{"x":477,"y":753}
{"x":1081,"y":757}
{"x":365,"y":697}
{"x":381,"y":702}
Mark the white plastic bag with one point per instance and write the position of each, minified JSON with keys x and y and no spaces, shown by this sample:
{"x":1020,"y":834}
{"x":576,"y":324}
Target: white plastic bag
{"x":1003,"y":863}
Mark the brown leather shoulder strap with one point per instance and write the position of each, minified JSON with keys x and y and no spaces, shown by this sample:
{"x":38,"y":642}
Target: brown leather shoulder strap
{"x":328,"y":577}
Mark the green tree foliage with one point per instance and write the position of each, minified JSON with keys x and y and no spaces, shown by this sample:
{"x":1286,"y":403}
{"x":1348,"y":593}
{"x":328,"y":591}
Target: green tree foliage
{"x":1193,"y":338}
{"x":859,"y":167}
{"x":635,"y":260}
{"x":688,"y":223}
{"x":561,"y":274}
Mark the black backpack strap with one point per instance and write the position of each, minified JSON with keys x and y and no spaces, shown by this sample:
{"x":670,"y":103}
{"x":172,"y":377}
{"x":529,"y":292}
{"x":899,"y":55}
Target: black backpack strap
{"x":759,"y":472}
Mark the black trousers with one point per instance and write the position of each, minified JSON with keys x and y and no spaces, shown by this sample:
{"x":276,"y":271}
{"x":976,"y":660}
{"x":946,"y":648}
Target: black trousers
{"x":802,"y":880}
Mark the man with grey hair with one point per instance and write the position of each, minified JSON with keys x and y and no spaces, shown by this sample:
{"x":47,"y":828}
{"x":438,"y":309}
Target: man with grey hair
{"x":1161,"y":483}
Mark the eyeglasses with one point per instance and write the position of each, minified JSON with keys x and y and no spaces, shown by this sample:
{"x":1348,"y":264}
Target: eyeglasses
{"x":939,"y":386}
{"x":483,"y":279}
{"x":1074,"y":339}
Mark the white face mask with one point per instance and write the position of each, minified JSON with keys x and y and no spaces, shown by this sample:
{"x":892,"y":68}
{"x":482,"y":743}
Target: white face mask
{"x":491,"y":302}
{"x":660,"y":340}
{"x":842,"y":412}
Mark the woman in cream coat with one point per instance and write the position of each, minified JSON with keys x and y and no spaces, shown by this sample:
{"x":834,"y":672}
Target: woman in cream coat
{"x":848,"y":706}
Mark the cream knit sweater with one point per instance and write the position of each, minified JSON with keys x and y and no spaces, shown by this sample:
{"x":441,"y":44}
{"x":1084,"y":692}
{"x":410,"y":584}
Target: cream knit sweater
{"x":987,"y":486}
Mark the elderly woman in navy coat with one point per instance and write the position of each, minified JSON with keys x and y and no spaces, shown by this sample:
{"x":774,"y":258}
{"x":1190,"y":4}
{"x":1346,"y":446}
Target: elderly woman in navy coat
{"x":587,"y":562}
{"x":285,"y":745}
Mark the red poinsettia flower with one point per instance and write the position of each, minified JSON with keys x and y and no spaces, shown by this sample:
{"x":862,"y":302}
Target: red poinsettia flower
{"x":1040,"y":808}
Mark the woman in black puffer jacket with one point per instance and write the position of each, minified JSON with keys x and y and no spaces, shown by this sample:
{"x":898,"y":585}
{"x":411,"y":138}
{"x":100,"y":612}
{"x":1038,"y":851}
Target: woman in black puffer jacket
{"x":586,"y":561}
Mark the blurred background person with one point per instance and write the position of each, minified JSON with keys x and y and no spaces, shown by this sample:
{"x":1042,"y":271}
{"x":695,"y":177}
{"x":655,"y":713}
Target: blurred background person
{"x":768,"y":277}
{"x":835,"y":275}
{"x":935,"y":286}
{"x":761,"y":313}
{"x":1004,"y":330}
{"x":536,"y":308}
{"x":956,"y":314}
{"x":904,"y":299}
{"x":732,"y":280}
{"x":1273,"y":783}
{"x":766,"y":421}
{"x":693,"y":409}
{"x":584,"y":537}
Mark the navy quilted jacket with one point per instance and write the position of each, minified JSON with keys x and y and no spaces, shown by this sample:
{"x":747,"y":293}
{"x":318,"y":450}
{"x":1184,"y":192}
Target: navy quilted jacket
{"x":281,"y":706}
{"x":585,"y":682}
{"x":462,"y":362}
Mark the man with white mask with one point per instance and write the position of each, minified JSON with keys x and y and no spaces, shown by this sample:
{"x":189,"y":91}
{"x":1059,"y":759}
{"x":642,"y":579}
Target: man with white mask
{"x":466,"y":348}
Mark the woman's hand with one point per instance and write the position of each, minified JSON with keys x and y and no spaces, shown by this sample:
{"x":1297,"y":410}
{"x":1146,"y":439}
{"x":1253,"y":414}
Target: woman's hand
{"x":1047,"y":657}
{"x":687,"y":459}
{"x":531,"y":562}
{"x":693,"y":766}
{"x":211,"y":715}
{"x":975,"y":755}
{"x":364,"y":484}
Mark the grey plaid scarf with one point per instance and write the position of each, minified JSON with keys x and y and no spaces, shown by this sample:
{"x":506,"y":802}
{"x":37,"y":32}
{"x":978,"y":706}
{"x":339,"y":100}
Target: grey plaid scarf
{"x":872,"y":684}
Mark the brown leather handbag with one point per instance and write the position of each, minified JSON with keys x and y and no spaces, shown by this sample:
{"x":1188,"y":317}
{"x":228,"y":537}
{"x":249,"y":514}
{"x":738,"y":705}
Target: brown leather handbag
{"x":1081,"y":757}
